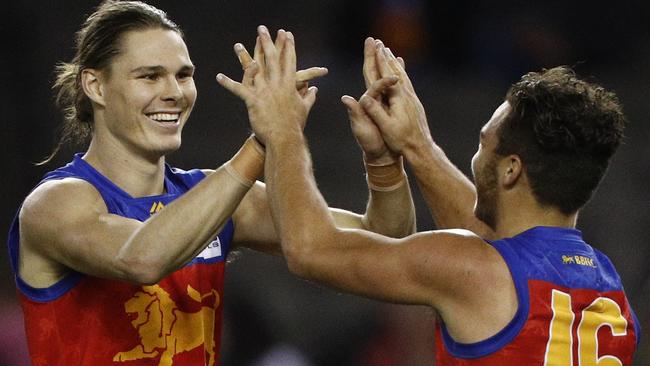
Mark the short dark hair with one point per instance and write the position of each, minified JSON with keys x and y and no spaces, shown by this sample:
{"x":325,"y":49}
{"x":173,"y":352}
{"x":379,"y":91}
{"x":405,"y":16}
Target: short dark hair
{"x":565,"y":130}
{"x":97,"y":43}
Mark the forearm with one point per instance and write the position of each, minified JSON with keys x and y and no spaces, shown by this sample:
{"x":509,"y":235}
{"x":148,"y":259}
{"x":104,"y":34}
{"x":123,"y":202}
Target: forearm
{"x":300,"y":213}
{"x":390,"y":210}
{"x":449,"y":194}
{"x":176,"y":234}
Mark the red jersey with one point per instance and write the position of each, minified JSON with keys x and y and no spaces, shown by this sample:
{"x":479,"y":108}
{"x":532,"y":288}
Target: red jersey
{"x":85,"y":320}
{"x":572,"y":308}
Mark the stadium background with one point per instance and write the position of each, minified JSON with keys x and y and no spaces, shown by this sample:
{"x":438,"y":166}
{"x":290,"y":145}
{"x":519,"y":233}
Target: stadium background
{"x":462,"y":56}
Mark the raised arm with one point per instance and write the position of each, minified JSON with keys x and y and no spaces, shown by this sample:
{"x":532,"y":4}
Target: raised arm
{"x":399,"y":114}
{"x":424,"y":268}
{"x":390,"y":208}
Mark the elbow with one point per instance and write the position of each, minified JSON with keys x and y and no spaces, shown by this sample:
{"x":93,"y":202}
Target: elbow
{"x":301,"y":251}
{"x":297,"y":253}
{"x":139,"y":271}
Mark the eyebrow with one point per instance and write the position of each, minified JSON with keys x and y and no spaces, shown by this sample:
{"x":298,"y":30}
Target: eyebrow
{"x":159,"y":69}
{"x":481,"y":135}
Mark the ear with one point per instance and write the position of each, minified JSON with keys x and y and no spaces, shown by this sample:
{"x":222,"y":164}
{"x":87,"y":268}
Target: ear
{"x":92,"y":84}
{"x":513,"y":170}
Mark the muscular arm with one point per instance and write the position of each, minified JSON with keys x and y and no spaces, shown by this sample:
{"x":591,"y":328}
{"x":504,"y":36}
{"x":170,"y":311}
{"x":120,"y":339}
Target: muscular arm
{"x":465,"y":287}
{"x":425,"y":268}
{"x":65,"y":225}
{"x":389,"y":213}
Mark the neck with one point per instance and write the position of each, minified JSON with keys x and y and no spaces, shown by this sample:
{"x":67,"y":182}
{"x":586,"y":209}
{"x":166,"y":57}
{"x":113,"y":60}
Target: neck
{"x":136,"y":174}
{"x":522,"y":216}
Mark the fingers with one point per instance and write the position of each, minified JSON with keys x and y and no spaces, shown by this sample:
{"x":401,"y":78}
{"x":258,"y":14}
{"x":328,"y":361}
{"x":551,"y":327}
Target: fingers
{"x":397,"y":67}
{"x":280,"y":39}
{"x":370,"y":73}
{"x":382,"y":62}
{"x":359,"y":121}
{"x":258,"y":53}
{"x":244,"y":57}
{"x":310,"y":98}
{"x":401,"y":62}
{"x":234,"y":87}
{"x":310,"y":74}
{"x":246,"y":61}
{"x":249,"y":74}
{"x":354,"y":108}
{"x":374,"y":109}
{"x":288,"y":56}
{"x":380,"y":86}
{"x":270,"y":53}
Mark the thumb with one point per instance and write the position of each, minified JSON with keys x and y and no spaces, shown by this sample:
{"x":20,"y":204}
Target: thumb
{"x":310,"y":98}
{"x":373,"y":108}
{"x":353,"y":107}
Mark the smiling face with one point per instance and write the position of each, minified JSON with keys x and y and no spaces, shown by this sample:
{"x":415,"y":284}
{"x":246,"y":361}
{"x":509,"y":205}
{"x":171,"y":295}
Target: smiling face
{"x":148,"y":93}
{"x":484,"y":168}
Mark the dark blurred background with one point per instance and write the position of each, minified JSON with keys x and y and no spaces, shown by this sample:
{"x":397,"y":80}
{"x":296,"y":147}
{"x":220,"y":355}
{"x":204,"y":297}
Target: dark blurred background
{"x":462,"y":55}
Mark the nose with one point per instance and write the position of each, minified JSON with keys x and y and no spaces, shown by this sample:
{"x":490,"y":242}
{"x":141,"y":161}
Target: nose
{"x":173,"y":90}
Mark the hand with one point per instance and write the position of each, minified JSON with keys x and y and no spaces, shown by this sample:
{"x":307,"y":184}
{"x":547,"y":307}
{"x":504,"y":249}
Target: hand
{"x":365,"y":131}
{"x":269,"y":87}
{"x":400,"y":117}
{"x":370,"y":71}
{"x":303,"y":77}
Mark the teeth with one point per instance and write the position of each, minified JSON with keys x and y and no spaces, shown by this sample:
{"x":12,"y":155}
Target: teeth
{"x":165,"y":117}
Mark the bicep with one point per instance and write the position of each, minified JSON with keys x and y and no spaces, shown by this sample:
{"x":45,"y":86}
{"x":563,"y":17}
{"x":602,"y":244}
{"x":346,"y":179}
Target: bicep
{"x":254,"y":225}
{"x":64,"y":225}
{"x":424,"y":268}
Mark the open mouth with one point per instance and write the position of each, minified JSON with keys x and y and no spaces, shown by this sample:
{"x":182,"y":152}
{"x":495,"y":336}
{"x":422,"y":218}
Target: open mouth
{"x":165,"y":117}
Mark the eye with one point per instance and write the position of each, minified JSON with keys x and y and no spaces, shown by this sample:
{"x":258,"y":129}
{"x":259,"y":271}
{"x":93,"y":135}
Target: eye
{"x":185,"y":75}
{"x":151,"y":76}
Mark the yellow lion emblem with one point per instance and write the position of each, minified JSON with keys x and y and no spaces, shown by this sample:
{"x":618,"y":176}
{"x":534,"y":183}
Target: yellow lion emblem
{"x":166,"y":331}
{"x":568,"y":259}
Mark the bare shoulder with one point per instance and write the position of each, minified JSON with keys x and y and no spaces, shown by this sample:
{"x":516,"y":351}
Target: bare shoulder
{"x":53,"y":210}
{"x":478,"y":294}
{"x":54,"y":216}
{"x":56,"y":200}
{"x":457,"y":262}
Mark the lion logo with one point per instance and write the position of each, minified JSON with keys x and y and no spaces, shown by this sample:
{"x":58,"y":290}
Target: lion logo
{"x":164,"y":330}
{"x":568,"y":259}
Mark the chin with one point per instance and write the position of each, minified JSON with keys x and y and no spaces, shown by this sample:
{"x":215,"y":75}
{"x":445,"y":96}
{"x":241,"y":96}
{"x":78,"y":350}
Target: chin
{"x":166,"y":148}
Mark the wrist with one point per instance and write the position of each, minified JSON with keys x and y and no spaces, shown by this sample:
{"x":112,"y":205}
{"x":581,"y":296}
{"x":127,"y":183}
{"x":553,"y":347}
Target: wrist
{"x":419,"y":150}
{"x":386,"y":176}
{"x":248,"y":163}
{"x":280,"y":136}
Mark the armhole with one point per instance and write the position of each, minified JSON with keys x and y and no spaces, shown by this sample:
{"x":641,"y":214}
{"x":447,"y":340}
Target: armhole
{"x":510,"y":331}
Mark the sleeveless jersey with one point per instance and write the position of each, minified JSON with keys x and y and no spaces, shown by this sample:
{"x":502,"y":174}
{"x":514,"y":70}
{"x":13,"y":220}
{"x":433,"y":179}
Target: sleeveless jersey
{"x":85,"y":320}
{"x":572,"y":308}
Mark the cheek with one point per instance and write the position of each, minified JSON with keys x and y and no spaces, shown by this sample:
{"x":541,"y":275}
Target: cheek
{"x":190,"y":93}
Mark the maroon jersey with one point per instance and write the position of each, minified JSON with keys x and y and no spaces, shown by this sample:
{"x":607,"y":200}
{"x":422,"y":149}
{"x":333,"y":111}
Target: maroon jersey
{"x":572,"y":308}
{"x":85,"y":320}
